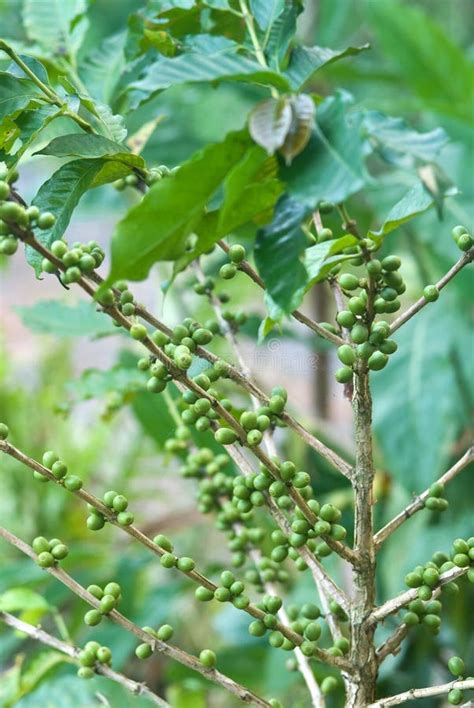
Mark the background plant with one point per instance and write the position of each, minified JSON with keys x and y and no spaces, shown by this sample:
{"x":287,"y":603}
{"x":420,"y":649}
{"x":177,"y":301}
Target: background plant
{"x":400,"y":158}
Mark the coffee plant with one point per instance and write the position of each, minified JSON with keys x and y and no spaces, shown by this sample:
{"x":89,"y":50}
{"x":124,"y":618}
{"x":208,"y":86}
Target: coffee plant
{"x":266,"y":205}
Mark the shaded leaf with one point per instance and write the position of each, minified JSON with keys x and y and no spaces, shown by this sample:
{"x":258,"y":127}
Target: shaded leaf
{"x":96,"y":383}
{"x":15,"y":94}
{"x":280,"y":35}
{"x":277,"y":253}
{"x":266,"y":11}
{"x":436,"y":69}
{"x":322,"y":257}
{"x":269,"y":123}
{"x":212,"y":58}
{"x":91,"y":146}
{"x":34,"y":673}
{"x":101,"y":69}
{"x":412,"y":412}
{"x":60,"y":195}
{"x":306,"y":61}
{"x":398,"y":143}
{"x":331,"y":167}
{"x":157,"y":228}
{"x":416,"y":201}
{"x":30,"y":123}
{"x":62,"y":320}
{"x":57,"y":26}
{"x":19,"y":599}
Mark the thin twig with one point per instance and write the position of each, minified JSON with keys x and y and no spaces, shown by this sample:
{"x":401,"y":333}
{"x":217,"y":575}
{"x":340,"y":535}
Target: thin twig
{"x":419,"y":502}
{"x":396,"y":603}
{"x":466,"y":258}
{"x":137,"y":689}
{"x":246,"y":268}
{"x":162,"y":647}
{"x":427,"y":692}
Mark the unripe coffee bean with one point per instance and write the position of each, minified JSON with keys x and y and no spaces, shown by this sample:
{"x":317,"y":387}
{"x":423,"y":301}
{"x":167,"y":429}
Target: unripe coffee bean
{"x":431,"y":293}
{"x":208,"y":658}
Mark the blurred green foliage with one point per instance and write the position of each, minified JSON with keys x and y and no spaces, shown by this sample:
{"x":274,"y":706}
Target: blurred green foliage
{"x":419,"y":67}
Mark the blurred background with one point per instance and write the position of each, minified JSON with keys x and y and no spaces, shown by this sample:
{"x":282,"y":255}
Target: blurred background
{"x":70,"y":385}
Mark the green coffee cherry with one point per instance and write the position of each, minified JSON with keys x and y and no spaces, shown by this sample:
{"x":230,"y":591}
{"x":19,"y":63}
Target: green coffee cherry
{"x":359,"y":333}
{"x":92,"y":618}
{"x":138,"y":331}
{"x":228,"y":271}
{"x":377,"y":361}
{"x":165,"y":632}
{"x":203,"y":594}
{"x":164,"y":542}
{"x":46,"y":220}
{"x":328,"y":685}
{"x":73,"y":483}
{"x":455,"y":696}
{"x":107,"y":604}
{"x":344,"y":374}
{"x":186,"y":565}
{"x":346,"y":354}
{"x":143,"y":651}
{"x":456,"y":666}
{"x":391,"y":263}
{"x":431,"y":293}
{"x":113,"y":589}
{"x":347,"y":281}
{"x":345,"y":318}
{"x":4,"y":431}
{"x":59,"y":551}
{"x":237,"y":253}
{"x":104,"y":655}
{"x":465,"y":242}
{"x":208,"y":658}
{"x":225,"y":436}
{"x":45,"y":560}
{"x":85,"y":672}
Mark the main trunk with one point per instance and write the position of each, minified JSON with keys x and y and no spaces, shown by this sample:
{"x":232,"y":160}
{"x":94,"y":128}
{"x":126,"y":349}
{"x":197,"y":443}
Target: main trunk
{"x":362,"y":690}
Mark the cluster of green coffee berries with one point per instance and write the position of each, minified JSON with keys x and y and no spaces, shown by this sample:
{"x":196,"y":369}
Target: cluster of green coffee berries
{"x":435,"y":500}
{"x":49,"y":552}
{"x":155,"y":174}
{"x":79,"y":260}
{"x":255,"y":423}
{"x":425,"y":578}
{"x":457,"y":669}
{"x":109,"y":598}
{"x":462,"y":238}
{"x":13,"y":214}
{"x":59,"y":470}
{"x":169,"y":559}
{"x":93,"y":654}
{"x":163,"y":633}
{"x":117,"y":503}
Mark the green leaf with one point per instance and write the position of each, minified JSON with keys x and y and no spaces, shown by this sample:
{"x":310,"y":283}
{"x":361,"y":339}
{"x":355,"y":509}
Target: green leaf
{"x":322,"y":257}
{"x":331,"y":167}
{"x":96,"y":383}
{"x":55,"y":25}
{"x":62,"y":320}
{"x":281,"y":34}
{"x":36,"y":671}
{"x":436,"y":69}
{"x":266,"y":11}
{"x":306,"y":61}
{"x":101,"y":69}
{"x":416,"y":201}
{"x":213,"y":58}
{"x":398,"y":143}
{"x":250,"y":190}
{"x":60,"y":195}
{"x":19,"y":599}
{"x":277,"y":253}
{"x":157,"y":228}
{"x":411,"y":409}
{"x":30,"y":123}
{"x":15,"y":94}
{"x":91,"y":146}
